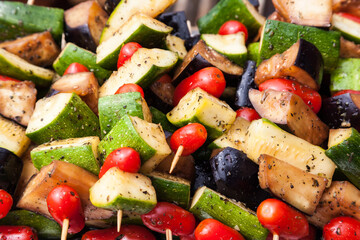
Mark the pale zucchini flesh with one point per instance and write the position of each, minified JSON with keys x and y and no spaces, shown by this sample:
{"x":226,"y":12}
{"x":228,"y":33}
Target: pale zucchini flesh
{"x":177,"y":45}
{"x":348,"y":28}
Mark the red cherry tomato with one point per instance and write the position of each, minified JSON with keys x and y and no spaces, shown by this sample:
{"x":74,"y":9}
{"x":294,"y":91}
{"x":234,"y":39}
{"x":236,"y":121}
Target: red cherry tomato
{"x":249,"y":114}
{"x":308,"y":95}
{"x":6,"y":203}
{"x":282,"y":220}
{"x":191,"y":137}
{"x":6,"y":78}
{"x":209,"y":79}
{"x":342,"y":228}
{"x":17,"y":233}
{"x":165,"y":79}
{"x":350,"y":16}
{"x":188,"y":237}
{"x":63,"y":202}
{"x":130,"y":87}
{"x":211,"y":229}
{"x":311,"y":236}
{"x":346,"y":91}
{"x":125,"y":158}
{"x":126,"y":52}
{"x":75,"y":68}
{"x":233,"y":26}
{"x":169,"y":216}
{"x":128,"y":232}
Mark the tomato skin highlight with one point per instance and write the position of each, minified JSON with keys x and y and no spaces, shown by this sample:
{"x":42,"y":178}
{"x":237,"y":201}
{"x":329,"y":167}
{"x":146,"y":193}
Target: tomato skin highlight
{"x":282,"y":219}
{"x":6,"y":203}
{"x":211,"y":229}
{"x":249,"y":114}
{"x":350,"y":16}
{"x":6,"y":78}
{"x":75,"y":68}
{"x":191,"y":137}
{"x":342,"y":228}
{"x":17,"y":233}
{"x":345,"y":91}
{"x":233,"y":26}
{"x":209,"y":79}
{"x":130,"y":87}
{"x":126,"y":52}
{"x":308,"y":95}
{"x":63,"y":202}
{"x":125,"y":158}
{"x":128,"y":232}
{"x":169,"y":216}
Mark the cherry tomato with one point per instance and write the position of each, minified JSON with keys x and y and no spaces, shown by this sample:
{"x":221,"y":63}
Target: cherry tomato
{"x":169,"y":216}
{"x":126,"y":52}
{"x":63,"y":202}
{"x":209,"y":79}
{"x":6,"y":203}
{"x":282,"y":220}
{"x":191,"y":137}
{"x":211,"y":229}
{"x":165,"y":79}
{"x":233,"y":26}
{"x":249,"y":114}
{"x":6,"y":78}
{"x":125,"y":158}
{"x":342,"y":228}
{"x":346,"y":91}
{"x":130,"y":87}
{"x":308,"y":95}
{"x":350,"y":16}
{"x":127,"y":232}
{"x":75,"y":68}
{"x":311,"y":236}
{"x":188,"y":237}
{"x":17,"y":233}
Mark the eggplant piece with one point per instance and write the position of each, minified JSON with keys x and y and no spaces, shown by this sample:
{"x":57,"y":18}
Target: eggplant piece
{"x":84,"y":24}
{"x":348,"y":6}
{"x":109,"y":5}
{"x":246,"y":83}
{"x":192,"y":41}
{"x":349,"y":49}
{"x":39,"y":49}
{"x":17,"y":100}
{"x":10,"y":170}
{"x":202,"y":56}
{"x":276,"y":16}
{"x":289,"y":109}
{"x":299,"y":188}
{"x":302,"y":62}
{"x":236,"y":176}
{"x":84,"y":84}
{"x":178,"y":21}
{"x":160,"y":94}
{"x":341,"y":111}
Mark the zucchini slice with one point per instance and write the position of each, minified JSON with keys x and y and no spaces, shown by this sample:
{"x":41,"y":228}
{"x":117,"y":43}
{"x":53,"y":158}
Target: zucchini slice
{"x":127,"y":8}
{"x":253,"y":51}
{"x":348,"y":28}
{"x":177,"y":45}
{"x":140,"y":28}
{"x":207,"y":203}
{"x":232,"y":46}
{"x":159,"y":117}
{"x":79,"y":151}
{"x":119,"y":190}
{"x":144,"y":67}
{"x":199,"y":106}
{"x":12,"y":137}
{"x":346,"y":75}
{"x":62,"y":116}
{"x":13,"y":66}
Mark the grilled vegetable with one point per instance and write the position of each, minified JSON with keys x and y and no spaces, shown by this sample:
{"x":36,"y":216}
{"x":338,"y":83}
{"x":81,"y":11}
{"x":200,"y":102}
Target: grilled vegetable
{"x":346,"y":76}
{"x":349,"y":6}
{"x":159,"y":117}
{"x":302,"y":61}
{"x":346,"y":26}
{"x":84,"y":24}
{"x":203,"y":174}
{"x":178,"y":21}
{"x":160,"y":94}
{"x":245,"y":84}
{"x":253,"y":51}
{"x":177,"y":45}
{"x":349,"y":49}
{"x":10,"y":170}
{"x":289,"y":109}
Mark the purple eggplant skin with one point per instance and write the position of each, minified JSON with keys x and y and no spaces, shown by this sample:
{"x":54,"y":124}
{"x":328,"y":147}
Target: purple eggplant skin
{"x":176,"y":20}
{"x":192,"y":41}
{"x":245,"y":84}
{"x":154,"y":100}
{"x":81,"y":37}
{"x":236,"y":176}
{"x":110,"y":5}
{"x":10,"y":170}
{"x":341,"y":111}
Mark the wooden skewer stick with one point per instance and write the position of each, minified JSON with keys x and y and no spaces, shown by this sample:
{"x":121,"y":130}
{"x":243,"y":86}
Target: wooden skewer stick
{"x":65,"y":228}
{"x":119,"y":218}
{"x":168,"y":234}
{"x":177,"y":156}
{"x":275,"y":236}
{"x":30,"y":2}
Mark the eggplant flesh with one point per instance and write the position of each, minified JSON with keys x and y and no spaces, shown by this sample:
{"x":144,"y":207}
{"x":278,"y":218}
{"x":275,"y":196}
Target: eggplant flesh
{"x":302,"y":62}
{"x":10,"y":170}
{"x":349,"y":49}
{"x":178,"y":21}
{"x":160,"y":95}
{"x":246,"y":83}
{"x":236,"y":176}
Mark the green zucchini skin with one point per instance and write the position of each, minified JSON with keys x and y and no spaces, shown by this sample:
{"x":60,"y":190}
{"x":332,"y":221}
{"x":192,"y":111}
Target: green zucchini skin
{"x":72,"y":53}
{"x":253,"y":51}
{"x":214,"y":205}
{"x":18,"y":19}
{"x":159,"y":117}
{"x":279,"y":36}
{"x":346,"y":156}
{"x":346,"y":75}
{"x":45,"y":228}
